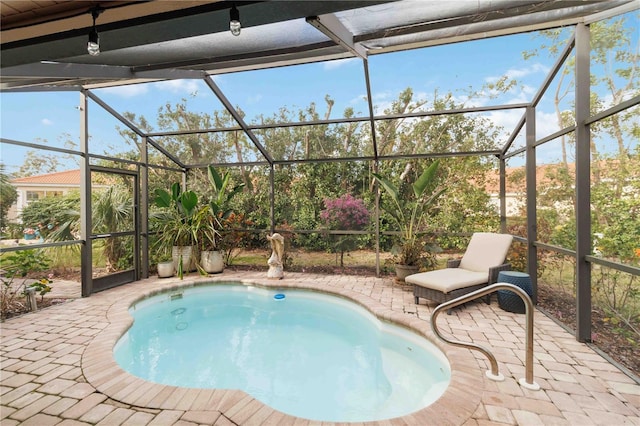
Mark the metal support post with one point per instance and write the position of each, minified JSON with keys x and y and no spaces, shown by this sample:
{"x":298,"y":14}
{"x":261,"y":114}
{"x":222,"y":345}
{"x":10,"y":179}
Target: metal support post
{"x":86,"y":256}
{"x":374,"y":142}
{"x":583,"y":185}
{"x":143,"y":235}
{"x":272,"y":197}
{"x":532,"y":215}
{"x":503,"y":196}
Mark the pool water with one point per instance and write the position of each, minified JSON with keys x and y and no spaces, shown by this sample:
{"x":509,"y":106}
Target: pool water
{"x":306,"y":354}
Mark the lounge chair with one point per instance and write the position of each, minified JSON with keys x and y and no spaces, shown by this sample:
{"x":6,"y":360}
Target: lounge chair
{"x":479,"y":267}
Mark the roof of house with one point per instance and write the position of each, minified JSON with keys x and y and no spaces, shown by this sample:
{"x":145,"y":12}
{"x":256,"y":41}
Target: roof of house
{"x":515,"y":177}
{"x":68,"y":177}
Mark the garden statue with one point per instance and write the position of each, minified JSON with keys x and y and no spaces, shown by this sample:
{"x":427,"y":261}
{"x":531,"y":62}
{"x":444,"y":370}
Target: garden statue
{"x":277,"y":255}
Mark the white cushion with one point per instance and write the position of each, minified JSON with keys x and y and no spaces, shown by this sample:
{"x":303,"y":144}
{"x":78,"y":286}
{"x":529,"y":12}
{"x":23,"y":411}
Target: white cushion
{"x":485,"y":250}
{"x":449,"y":279}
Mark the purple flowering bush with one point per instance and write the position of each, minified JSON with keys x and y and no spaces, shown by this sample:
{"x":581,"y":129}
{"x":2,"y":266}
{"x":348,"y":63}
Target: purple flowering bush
{"x":345,"y":213}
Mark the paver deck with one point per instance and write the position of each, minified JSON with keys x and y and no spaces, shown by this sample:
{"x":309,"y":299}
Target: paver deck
{"x":56,"y":365}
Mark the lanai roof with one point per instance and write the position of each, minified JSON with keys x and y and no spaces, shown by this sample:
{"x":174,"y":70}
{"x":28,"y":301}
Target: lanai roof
{"x":44,"y":42}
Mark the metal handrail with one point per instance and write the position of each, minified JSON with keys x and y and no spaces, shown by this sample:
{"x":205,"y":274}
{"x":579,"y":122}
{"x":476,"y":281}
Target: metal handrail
{"x":494,"y":373}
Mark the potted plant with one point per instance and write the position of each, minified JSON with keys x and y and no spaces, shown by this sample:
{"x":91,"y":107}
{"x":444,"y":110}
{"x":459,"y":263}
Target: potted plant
{"x":211,"y":218}
{"x":177,"y":226}
{"x":165,"y":266}
{"x":211,"y":259}
{"x":165,"y":269}
{"x":29,"y":233}
{"x":410,"y":214}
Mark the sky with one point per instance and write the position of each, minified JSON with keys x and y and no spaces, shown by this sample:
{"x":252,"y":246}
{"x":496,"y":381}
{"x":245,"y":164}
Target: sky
{"x":53,"y":118}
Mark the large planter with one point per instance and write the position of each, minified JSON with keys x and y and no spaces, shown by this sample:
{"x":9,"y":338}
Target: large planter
{"x":212,"y":262}
{"x":186,"y":253}
{"x":166,"y":269}
{"x":403,"y":271}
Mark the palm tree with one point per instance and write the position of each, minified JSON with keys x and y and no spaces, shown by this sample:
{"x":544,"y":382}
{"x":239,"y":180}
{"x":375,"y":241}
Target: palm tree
{"x":112,"y":211}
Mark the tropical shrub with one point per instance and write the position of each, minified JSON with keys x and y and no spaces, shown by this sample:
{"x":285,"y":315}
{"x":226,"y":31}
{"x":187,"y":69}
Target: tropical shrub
{"x":345,"y":213}
{"x":57,"y":218}
{"x":18,"y":265}
{"x":410,"y":211}
{"x":8,"y":196}
{"x":233,"y":237}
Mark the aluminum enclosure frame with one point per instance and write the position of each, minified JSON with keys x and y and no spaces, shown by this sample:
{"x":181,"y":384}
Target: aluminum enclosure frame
{"x":78,"y":78}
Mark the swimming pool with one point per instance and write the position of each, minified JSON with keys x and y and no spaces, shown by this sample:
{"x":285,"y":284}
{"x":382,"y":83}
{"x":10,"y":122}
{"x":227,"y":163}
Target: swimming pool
{"x":308,"y":354}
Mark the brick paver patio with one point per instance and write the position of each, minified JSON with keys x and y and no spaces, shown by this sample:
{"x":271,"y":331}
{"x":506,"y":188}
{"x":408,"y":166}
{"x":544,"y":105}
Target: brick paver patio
{"x":57,"y":368}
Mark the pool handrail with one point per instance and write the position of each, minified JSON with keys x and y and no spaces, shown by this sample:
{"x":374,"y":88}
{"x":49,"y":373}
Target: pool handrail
{"x":494,"y":373}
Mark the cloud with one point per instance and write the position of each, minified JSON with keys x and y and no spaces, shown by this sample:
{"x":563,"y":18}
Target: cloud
{"x":517,"y":73}
{"x":608,"y":101}
{"x":180,"y":87}
{"x":529,"y":90}
{"x":382,"y":96}
{"x":128,"y":91}
{"x":46,"y":122}
{"x":338,"y":63}
{"x":254,"y":99}
{"x":520,"y":97}
{"x":362,"y":98}
{"x":381,"y":101}
{"x":546,"y":123}
{"x":185,"y":87}
{"x":506,"y":119}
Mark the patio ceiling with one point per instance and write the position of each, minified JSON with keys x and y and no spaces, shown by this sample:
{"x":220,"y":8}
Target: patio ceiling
{"x":44,"y":42}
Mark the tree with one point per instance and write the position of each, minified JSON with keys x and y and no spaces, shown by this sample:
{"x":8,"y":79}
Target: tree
{"x":615,"y":160}
{"x":39,"y":162}
{"x":466,"y":207}
{"x":112,"y":211}
{"x":8,"y":196}
{"x":301,"y":187}
{"x":615,"y":76}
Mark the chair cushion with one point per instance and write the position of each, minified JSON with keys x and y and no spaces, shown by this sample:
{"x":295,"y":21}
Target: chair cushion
{"x":485,"y":250}
{"x":449,"y":279}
